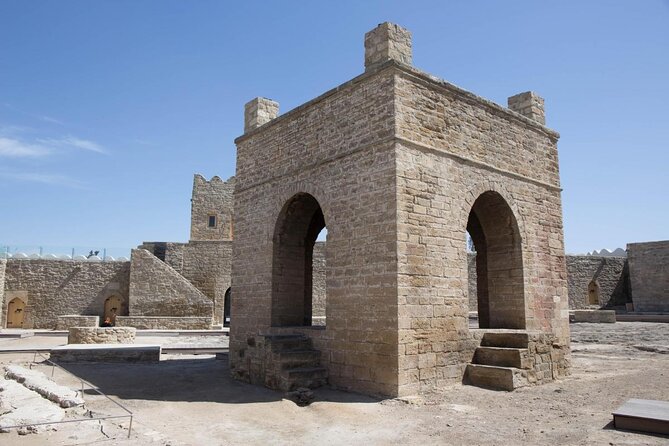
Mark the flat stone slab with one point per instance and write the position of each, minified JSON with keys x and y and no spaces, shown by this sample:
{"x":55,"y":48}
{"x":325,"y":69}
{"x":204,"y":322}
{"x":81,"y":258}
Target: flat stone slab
{"x":643,"y":415}
{"x":21,"y":406}
{"x":38,"y":382}
{"x":106,"y":353}
{"x":593,"y":316}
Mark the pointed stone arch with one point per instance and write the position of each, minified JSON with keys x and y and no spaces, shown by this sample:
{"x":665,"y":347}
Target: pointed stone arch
{"x":494,"y":229}
{"x":300,"y":221}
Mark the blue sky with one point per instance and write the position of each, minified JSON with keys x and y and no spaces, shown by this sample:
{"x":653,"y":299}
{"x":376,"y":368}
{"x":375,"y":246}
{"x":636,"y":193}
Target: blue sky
{"x":108,"y":108}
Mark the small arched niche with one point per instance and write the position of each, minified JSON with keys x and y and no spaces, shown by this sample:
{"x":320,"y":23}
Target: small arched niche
{"x":593,"y":293}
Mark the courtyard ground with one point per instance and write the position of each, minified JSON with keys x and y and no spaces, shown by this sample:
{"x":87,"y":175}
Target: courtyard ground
{"x":191,"y":400}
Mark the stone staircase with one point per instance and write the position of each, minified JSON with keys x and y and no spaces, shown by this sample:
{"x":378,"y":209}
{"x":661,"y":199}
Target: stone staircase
{"x":295,"y":362}
{"x":501,"y":362}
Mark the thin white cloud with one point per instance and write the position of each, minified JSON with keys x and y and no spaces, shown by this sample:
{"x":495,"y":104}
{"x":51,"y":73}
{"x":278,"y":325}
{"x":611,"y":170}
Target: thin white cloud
{"x":51,"y":179}
{"x":74,"y":142}
{"x":14,"y":148}
{"x":46,"y":118}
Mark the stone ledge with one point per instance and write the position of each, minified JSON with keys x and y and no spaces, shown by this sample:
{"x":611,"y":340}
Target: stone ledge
{"x":106,"y":353}
{"x":101,"y":335}
{"x":593,"y":316}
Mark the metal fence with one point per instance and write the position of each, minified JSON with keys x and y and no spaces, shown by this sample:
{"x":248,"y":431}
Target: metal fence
{"x":51,"y":252}
{"x":85,"y":385}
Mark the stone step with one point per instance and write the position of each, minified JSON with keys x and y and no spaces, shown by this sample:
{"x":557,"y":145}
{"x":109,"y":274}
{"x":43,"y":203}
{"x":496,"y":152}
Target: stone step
{"x":502,"y":357}
{"x":507,"y":340}
{"x":309,"y":377}
{"x":290,"y":359}
{"x":288,"y":342}
{"x":494,"y":377}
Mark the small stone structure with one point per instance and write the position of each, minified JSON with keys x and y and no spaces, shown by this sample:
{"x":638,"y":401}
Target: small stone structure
{"x":398,"y":166}
{"x":101,"y":335}
{"x":649,"y":275}
{"x":65,"y":322}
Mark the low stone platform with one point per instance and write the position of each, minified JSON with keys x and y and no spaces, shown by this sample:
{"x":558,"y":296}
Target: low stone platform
{"x":593,"y":316}
{"x":101,"y":335}
{"x":643,"y":415}
{"x":106,"y":353}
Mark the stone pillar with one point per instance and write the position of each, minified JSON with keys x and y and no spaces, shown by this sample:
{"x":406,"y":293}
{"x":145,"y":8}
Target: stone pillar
{"x":259,"y":111}
{"x":387,"y":42}
{"x":530,"y":105}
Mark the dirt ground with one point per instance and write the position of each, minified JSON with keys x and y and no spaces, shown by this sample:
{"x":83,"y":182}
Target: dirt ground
{"x":192,"y":400}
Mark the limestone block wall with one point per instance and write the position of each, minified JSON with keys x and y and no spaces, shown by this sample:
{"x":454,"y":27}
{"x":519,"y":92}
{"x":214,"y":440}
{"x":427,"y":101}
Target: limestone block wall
{"x":610,"y":273}
{"x":205,"y":264}
{"x":165,"y":322}
{"x":65,"y":322}
{"x":452,"y":147}
{"x":169,"y":252}
{"x":318,"y":285}
{"x":53,"y":287}
{"x":101,"y":335}
{"x":211,"y":198}
{"x":156,"y":289}
{"x":649,"y":275}
{"x":339,"y":149}
{"x":3,"y":308}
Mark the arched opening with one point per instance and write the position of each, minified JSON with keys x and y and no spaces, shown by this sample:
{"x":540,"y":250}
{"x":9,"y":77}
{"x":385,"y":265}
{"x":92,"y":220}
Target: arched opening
{"x":593,"y":293}
{"x":16,"y":311}
{"x":297,"y":228}
{"x":499,"y":264}
{"x":114,"y":306}
{"x":226,"y":308}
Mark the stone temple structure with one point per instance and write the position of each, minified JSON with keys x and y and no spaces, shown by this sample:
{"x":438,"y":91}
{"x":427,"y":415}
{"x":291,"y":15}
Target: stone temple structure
{"x":398,"y":166}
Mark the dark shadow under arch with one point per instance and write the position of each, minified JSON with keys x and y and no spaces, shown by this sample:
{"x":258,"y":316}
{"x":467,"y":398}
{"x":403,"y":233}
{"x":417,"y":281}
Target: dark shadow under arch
{"x":226,"y":307}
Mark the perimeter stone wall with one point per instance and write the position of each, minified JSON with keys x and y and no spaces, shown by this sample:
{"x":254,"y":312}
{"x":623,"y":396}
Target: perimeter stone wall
{"x":3,"y":305}
{"x":65,"y":322}
{"x":158,"y":290}
{"x":165,"y":322}
{"x":649,"y":275}
{"x":318,"y":284}
{"x":64,"y":287}
{"x":609,"y":272}
{"x":205,"y":264}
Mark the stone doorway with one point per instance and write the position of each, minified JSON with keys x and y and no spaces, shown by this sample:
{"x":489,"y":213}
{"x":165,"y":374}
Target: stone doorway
{"x":499,"y":265}
{"x":593,"y":293}
{"x":300,"y":221}
{"x":16,"y":310}
{"x":113,"y":308}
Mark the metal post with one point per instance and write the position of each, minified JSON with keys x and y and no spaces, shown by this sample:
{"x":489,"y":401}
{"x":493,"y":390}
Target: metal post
{"x":72,"y":254}
{"x":104,"y":254}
